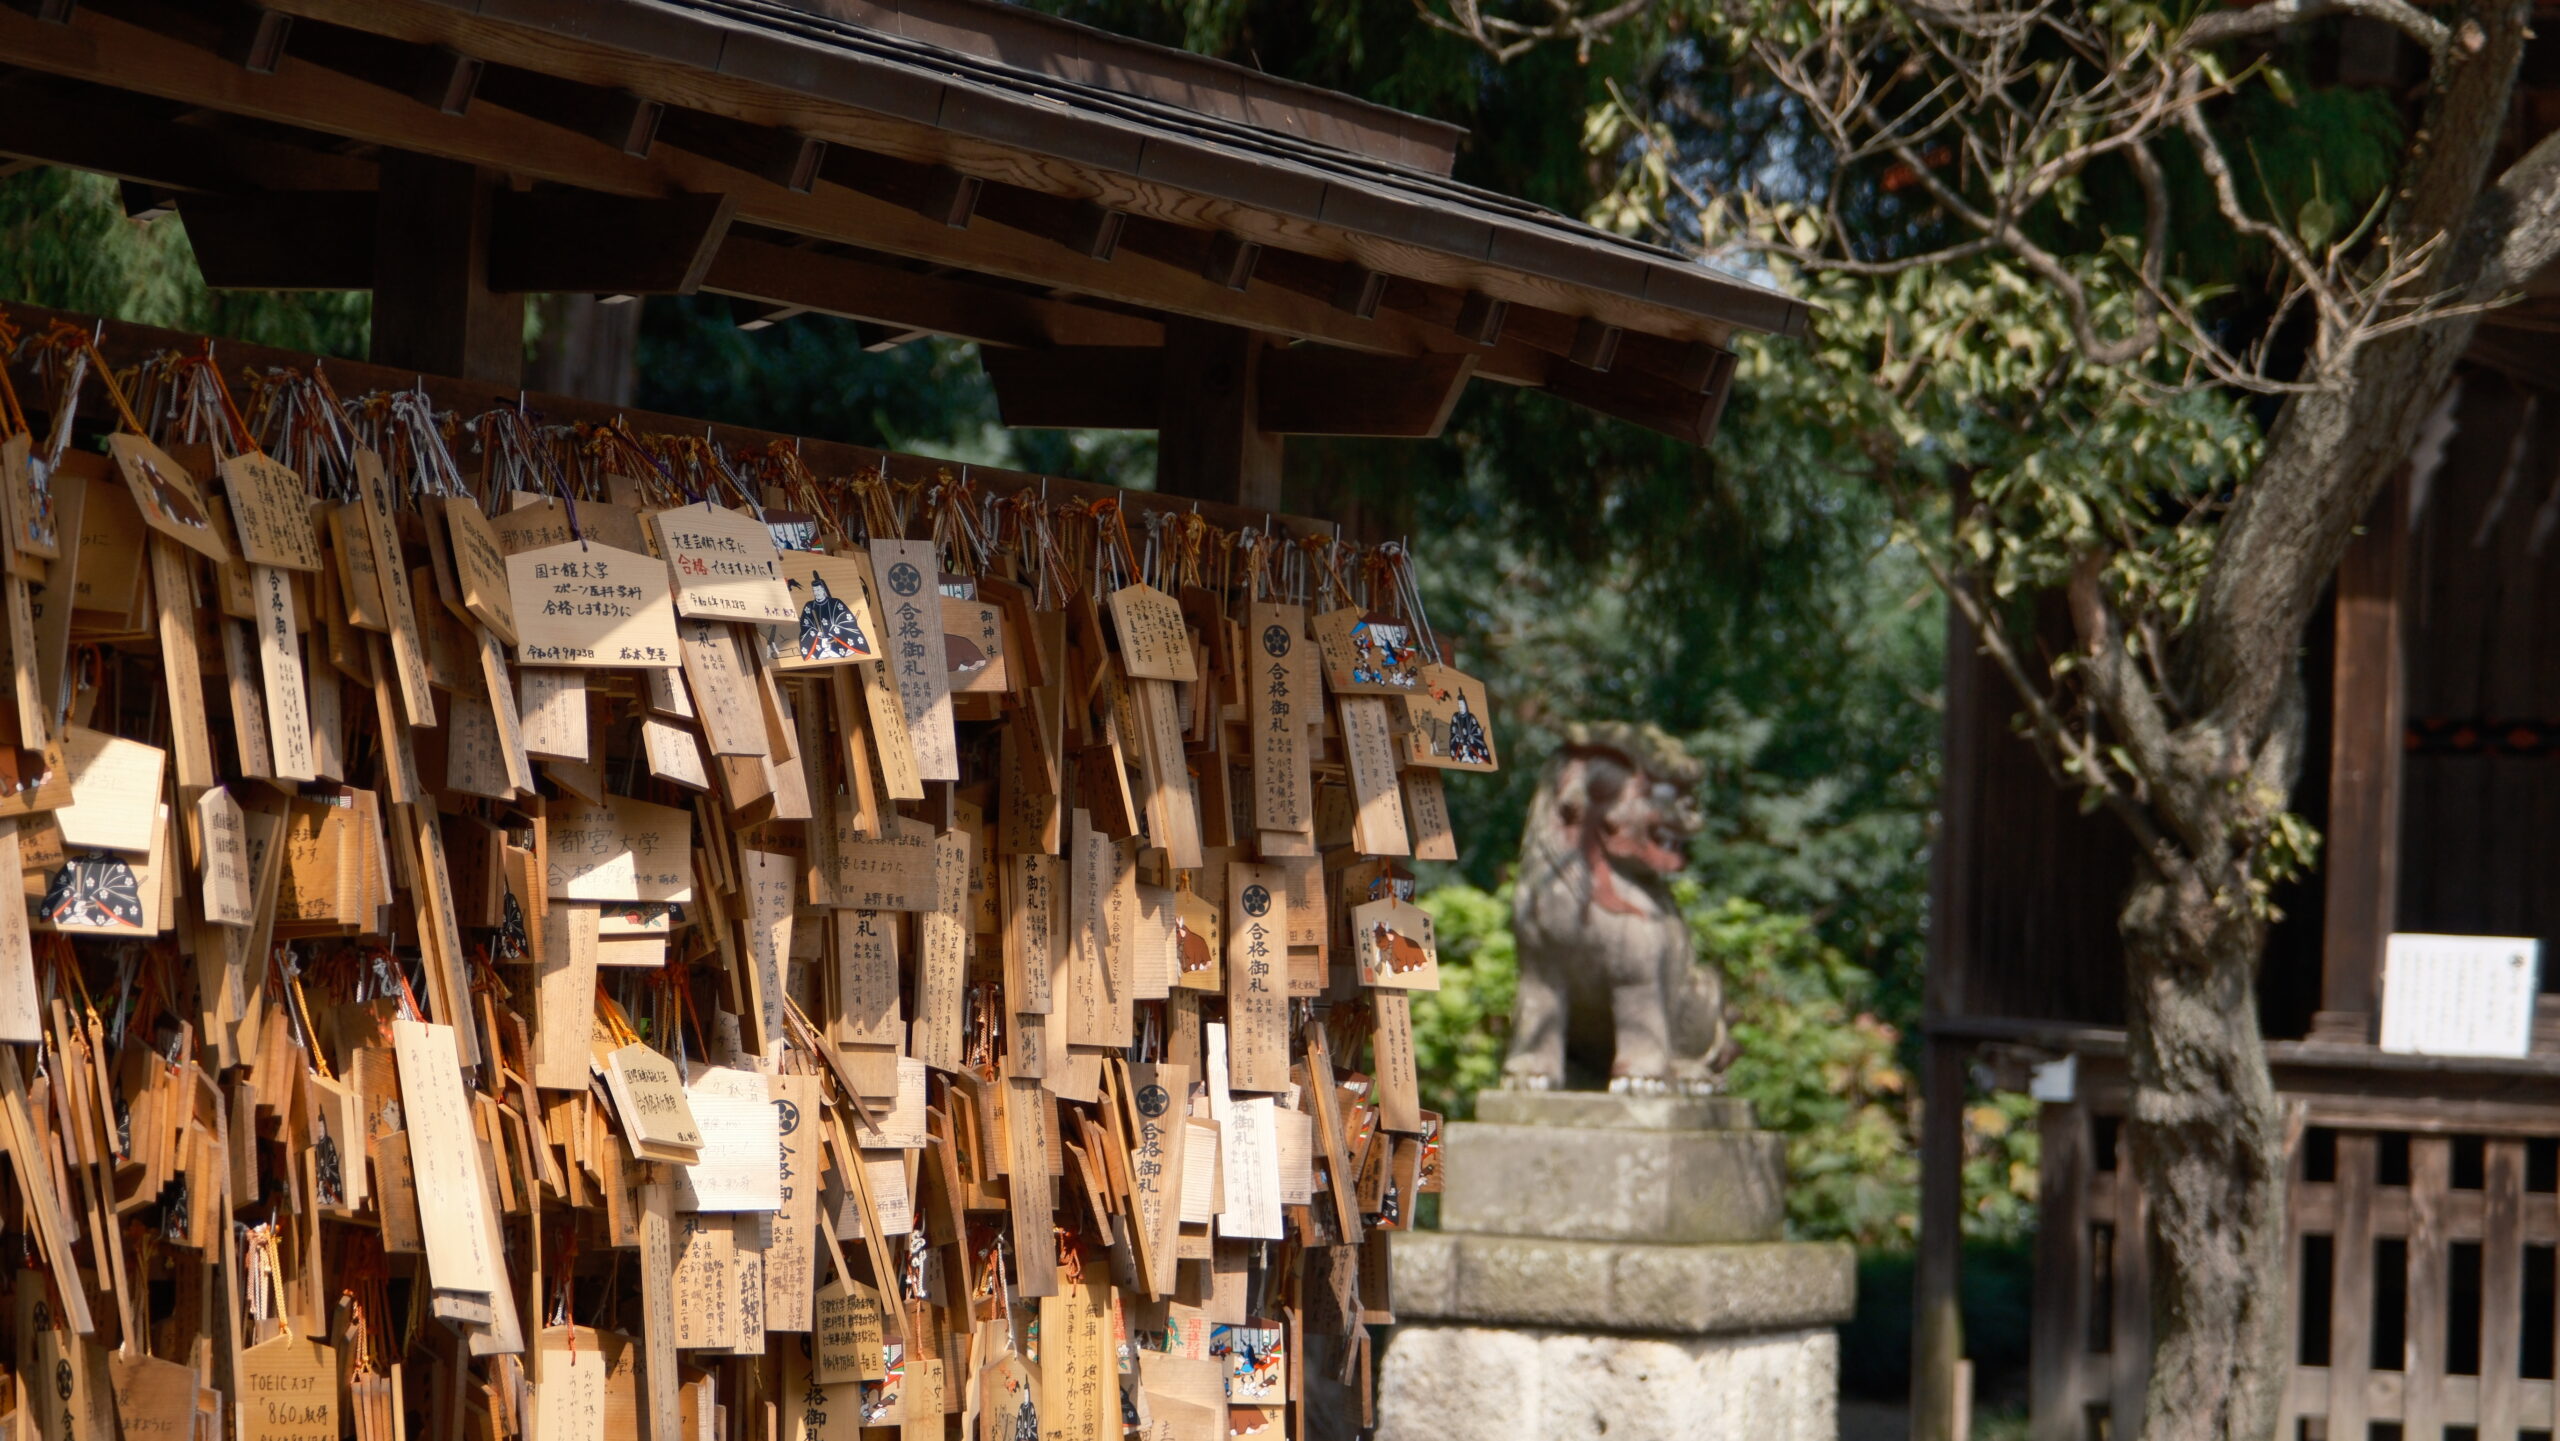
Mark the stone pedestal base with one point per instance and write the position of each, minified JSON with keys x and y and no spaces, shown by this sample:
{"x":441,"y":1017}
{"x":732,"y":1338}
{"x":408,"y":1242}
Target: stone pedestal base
{"x":1444,"y":1382}
{"x":1611,"y":1267}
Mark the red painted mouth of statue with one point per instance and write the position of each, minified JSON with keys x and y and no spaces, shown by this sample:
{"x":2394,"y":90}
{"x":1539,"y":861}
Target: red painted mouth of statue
{"x":1644,"y":850}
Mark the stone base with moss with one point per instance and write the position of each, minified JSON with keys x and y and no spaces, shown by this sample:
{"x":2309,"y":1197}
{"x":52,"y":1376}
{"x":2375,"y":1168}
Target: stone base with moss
{"x":1613,"y":1266}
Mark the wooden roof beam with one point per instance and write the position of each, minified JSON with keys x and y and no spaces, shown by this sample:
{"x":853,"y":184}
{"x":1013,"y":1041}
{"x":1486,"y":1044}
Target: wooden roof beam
{"x":930,"y":116}
{"x":616,"y":118}
{"x":1300,"y":390}
{"x":774,"y":153}
{"x":777,"y":274}
{"x":107,"y":50}
{"x":569,"y":241}
{"x":84,"y":128}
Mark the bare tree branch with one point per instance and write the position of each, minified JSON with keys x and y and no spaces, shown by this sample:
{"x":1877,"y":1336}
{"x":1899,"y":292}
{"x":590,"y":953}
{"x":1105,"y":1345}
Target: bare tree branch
{"x":2220,"y":26}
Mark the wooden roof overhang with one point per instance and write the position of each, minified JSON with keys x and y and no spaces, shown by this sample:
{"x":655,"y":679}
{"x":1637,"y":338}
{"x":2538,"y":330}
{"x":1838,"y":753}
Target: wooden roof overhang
{"x":1078,"y":203}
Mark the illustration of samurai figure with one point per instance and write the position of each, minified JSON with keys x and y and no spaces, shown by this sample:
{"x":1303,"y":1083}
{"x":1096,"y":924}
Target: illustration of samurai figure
{"x":1466,"y":737}
{"x":95,"y":892}
{"x":828,"y":629}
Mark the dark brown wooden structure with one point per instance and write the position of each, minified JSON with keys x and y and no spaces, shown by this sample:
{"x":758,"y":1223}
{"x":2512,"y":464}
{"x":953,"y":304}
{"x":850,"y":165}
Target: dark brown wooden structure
{"x":2424,"y":1215}
{"x":1139,"y":237}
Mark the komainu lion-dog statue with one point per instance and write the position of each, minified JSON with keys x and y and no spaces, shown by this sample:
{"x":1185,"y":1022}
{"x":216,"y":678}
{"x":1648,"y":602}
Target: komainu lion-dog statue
{"x":1599,"y":937}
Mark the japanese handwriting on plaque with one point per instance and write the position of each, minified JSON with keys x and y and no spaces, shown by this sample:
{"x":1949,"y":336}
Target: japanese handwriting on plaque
{"x":622,"y":850}
{"x":444,"y":1154}
{"x":918,"y":660}
{"x":271,"y":513}
{"x":1279,"y":704}
{"x":1257,"y":978}
{"x":480,"y":566}
{"x":227,"y":886}
{"x":1153,"y":642}
{"x":591,"y":606}
{"x":724,"y":565}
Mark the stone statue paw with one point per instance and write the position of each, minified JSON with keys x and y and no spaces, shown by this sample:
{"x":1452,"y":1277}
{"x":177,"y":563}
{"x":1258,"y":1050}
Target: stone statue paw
{"x":1527,"y":1081}
{"x":1639,"y":1086}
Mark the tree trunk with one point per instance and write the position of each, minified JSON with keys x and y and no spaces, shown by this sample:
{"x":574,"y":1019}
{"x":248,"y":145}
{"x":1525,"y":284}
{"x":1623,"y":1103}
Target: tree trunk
{"x":2207,"y":1139}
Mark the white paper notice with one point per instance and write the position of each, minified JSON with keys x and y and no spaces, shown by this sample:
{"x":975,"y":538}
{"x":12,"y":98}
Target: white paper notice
{"x":1249,"y":1138}
{"x":741,"y":1166}
{"x":2460,"y":995}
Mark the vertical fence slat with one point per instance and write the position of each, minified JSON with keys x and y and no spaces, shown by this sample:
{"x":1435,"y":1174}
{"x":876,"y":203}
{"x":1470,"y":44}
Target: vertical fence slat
{"x":2351,"y":1293}
{"x":2059,"y":1359}
{"x":2502,"y":1291}
{"x":2430,"y":1259}
{"x":2132,"y":1354}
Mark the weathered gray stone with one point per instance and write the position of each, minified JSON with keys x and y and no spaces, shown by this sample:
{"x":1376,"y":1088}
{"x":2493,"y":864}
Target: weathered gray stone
{"x":1587,"y":1110}
{"x":1471,"y":1383}
{"x":1621,"y":1286}
{"x":1614,"y":1185}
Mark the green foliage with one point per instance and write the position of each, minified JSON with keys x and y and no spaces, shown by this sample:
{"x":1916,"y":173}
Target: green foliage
{"x":1817,"y":1063}
{"x":65,"y":242}
{"x":1461,"y":1029}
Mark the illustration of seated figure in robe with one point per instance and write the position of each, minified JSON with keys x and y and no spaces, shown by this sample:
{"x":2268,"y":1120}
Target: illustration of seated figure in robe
{"x":828,"y":629}
{"x":1466,"y":737}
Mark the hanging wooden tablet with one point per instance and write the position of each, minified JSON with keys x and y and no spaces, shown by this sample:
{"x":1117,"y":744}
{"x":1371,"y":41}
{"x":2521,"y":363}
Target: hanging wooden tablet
{"x":1154,"y":644}
{"x":168,"y":498}
{"x":1173,"y":808}
{"x":479,"y":566}
{"x":790,"y":1258}
{"x":33,"y":527}
{"x":408,"y":645}
{"x":1078,"y":1386}
{"x":288,"y":714}
{"x":768,"y":878}
{"x":444,"y":1155}
{"x":1369,"y":754}
{"x":552,"y":705}
{"x":1097,"y":999}
{"x":21,"y":1018}
{"x":228,"y":895}
{"x":1158,"y":1101}
{"x":1367,"y":653}
{"x":173,"y":595}
{"x":911,"y":615}
{"x":568,"y":1385}
{"x":942,"y":964}
{"x":1028,"y":1113}
{"x":1031,"y":889}
{"x":674,"y":756}
{"x":1257,"y":978}
{"x":1278,"y":705}
{"x":565,"y":998}
{"x":26,"y":673}
{"x":723,"y":695}
{"x":1399,"y":1086}
{"x":1426,"y":804}
{"x":270,"y":513}
{"x":835,"y":625}
{"x":289,"y":1391}
{"x":1393,"y":945}
{"x":589,"y":605}
{"x":620,"y":850}
{"x":894,"y":873}
{"x":867,"y":973}
{"x":1446,"y":721}
{"x":657,"y":1117}
{"x":723,"y":564}
{"x":658,"y":1325}
{"x":847,"y":1334}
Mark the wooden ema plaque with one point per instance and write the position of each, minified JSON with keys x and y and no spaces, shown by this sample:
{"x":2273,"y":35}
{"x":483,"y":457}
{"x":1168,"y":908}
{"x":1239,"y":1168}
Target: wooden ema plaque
{"x":688,"y":974}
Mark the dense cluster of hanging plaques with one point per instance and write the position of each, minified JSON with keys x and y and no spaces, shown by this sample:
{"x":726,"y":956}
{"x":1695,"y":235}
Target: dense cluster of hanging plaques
{"x":566,"y":932}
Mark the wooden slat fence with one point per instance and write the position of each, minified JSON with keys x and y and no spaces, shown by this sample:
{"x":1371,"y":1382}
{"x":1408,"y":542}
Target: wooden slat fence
{"x":2425,"y":1285}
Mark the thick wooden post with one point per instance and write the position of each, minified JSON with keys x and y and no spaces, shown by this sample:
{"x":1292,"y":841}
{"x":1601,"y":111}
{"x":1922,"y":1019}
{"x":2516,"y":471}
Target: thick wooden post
{"x":2366,"y":709}
{"x":1210,"y":444}
{"x":1937,"y":1331}
{"x":433,"y":309}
